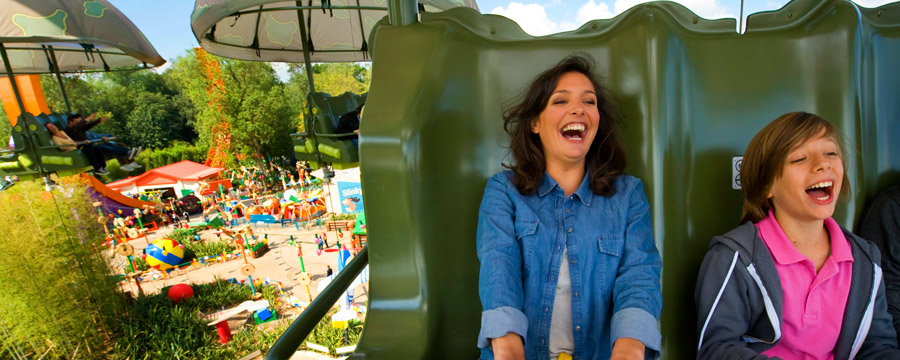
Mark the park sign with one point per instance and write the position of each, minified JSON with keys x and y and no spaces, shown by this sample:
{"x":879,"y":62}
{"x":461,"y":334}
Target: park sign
{"x":351,"y":197}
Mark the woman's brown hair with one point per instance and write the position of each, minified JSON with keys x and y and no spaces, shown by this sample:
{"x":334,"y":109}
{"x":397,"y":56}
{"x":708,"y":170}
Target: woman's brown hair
{"x":767,"y":152}
{"x":605,"y":159}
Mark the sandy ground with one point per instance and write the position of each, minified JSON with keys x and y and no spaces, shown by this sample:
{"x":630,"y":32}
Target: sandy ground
{"x":280,"y":264}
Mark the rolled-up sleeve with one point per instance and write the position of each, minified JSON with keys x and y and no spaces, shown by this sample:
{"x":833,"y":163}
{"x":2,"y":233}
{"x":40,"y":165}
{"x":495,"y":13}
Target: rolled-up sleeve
{"x":501,"y":321}
{"x":500,"y":275}
{"x":637,"y":296}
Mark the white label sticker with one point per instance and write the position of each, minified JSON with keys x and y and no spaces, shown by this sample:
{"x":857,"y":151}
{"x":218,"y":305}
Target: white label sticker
{"x":736,"y":171}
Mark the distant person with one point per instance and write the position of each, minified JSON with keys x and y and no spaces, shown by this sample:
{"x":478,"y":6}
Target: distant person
{"x":77,"y":130}
{"x":58,"y":137}
{"x":348,"y":123}
{"x":329,"y":271}
{"x":881,"y":225}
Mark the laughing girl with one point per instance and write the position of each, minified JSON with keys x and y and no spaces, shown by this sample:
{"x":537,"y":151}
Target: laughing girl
{"x":790,"y":282}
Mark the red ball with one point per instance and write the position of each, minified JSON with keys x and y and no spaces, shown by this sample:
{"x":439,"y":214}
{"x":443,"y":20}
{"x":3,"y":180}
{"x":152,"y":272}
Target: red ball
{"x":180,"y":292}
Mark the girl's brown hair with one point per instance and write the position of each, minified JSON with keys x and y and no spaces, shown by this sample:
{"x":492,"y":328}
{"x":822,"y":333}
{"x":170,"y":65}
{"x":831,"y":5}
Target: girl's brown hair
{"x":605,"y":159}
{"x":767,"y":152}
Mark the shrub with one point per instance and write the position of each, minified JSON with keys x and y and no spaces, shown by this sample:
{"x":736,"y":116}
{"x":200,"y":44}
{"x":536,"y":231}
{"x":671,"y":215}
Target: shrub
{"x":57,"y":297}
{"x":178,"y":151}
{"x":343,"y":217}
{"x":208,"y":248}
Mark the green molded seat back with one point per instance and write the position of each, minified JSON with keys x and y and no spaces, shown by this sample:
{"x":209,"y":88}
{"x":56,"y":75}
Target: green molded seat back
{"x":324,"y":113}
{"x":341,"y":153}
{"x":42,"y":119}
{"x":25,"y":164}
{"x":692,"y":93}
{"x":60,"y":120}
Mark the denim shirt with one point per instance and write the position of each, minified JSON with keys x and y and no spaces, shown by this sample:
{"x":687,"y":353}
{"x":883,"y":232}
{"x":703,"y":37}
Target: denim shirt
{"x":613,"y":262}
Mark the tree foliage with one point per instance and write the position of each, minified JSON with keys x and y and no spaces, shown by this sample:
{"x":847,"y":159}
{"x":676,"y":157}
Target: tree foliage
{"x":260,"y":116}
{"x":167,"y":110}
{"x":143,"y":108}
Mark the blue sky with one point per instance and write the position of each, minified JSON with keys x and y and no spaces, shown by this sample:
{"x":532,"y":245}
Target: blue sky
{"x":167,"y":22}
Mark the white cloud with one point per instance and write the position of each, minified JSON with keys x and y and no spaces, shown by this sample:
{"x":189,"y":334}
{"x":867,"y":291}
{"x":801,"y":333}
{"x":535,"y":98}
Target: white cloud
{"x":163,"y":68}
{"x":281,"y":70}
{"x":534,"y":20}
{"x":591,"y":11}
{"x":775,"y":4}
{"x":708,"y":9}
{"x":531,"y":17}
{"x":872,"y":3}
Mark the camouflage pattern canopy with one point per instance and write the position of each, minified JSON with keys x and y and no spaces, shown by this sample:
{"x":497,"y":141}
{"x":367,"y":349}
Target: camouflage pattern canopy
{"x":83,"y":35}
{"x":267,"y":30}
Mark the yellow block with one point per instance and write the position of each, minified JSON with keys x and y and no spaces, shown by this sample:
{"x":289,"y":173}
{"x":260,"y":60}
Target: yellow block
{"x":342,"y":324}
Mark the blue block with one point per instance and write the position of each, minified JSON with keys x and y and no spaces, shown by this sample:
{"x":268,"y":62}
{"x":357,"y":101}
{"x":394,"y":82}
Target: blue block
{"x":264,"y":314}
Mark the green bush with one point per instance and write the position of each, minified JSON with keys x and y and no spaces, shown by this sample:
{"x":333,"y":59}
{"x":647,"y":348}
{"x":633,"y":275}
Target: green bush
{"x":208,"y":248}
{"x":178,"y":151}
{"x":140,"y":264}
{"x":343,"y":217}
{"x":182,"y":236}
{"x":58,"y":300}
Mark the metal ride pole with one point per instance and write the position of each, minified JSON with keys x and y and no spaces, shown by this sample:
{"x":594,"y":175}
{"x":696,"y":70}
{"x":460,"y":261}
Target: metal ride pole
{"x":18,"y":95}
{"x":12,"y":80}
{"x":307,"y":62}
{"x":62,"y":89}
{"x":402,"y":12}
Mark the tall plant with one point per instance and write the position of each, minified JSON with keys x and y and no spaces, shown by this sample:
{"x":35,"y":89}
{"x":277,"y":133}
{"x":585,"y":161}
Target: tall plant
{"x":58,"y":297}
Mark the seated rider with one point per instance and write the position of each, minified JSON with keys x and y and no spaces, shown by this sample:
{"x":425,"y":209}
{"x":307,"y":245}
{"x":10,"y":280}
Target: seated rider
{"x":348,"y":123}
{"x":77,"y":130}
{"x":125,"y":163}
{"x":58,"y":137}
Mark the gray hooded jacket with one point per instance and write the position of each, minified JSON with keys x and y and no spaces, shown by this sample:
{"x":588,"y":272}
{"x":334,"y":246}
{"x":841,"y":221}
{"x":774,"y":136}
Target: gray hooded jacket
{"x":739,"y":301}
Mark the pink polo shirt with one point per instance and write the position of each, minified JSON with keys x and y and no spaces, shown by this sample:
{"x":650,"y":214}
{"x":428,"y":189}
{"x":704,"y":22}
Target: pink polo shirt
{"x":813,"y":303}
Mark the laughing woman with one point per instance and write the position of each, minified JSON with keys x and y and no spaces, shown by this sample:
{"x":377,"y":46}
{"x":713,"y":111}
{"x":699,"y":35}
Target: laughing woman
{"x":569,"y":268}
{"x":790,"y":283}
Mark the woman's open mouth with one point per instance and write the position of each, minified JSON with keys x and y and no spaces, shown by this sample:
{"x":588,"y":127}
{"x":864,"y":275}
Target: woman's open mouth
{"x":573,"y":132}
{"x":821,"y":192}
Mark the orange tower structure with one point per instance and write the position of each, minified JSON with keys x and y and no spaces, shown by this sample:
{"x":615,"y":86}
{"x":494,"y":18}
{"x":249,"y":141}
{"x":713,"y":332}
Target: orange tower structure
{"x":32,"y":96}
{"x":215,"y":91}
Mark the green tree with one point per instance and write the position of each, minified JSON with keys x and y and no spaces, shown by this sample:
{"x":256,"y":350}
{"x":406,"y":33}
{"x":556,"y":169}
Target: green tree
{"x":185,"y":74}
{"x":142,"y":106}
{"x":255,"y":101}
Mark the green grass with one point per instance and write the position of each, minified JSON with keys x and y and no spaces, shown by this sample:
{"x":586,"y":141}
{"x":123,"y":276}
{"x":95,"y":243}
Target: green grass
{"x":326,"y":335}
{"x":156,"y":328}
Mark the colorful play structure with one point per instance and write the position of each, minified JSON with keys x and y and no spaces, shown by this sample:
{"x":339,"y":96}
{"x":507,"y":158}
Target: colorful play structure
{"x":691,"y":92}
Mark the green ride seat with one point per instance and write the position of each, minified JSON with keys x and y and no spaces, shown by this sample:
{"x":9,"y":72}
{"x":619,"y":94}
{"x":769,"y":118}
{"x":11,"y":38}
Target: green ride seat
{"x":692,"y":93}
{"x":334,"y":148}
{"x":25,"y":161}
